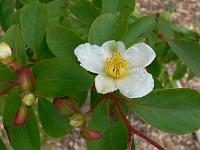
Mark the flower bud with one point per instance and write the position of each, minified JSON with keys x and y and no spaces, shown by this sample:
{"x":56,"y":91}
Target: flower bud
{"x":66,"y":105}
{"x":5,"y":51}
{"x":77,"y":120}
{"x":29,"y":99}
{"x":14,"y":65}
{"x":26,"y":79}
{"x":89,"y":134}
{"x":21,"y":116}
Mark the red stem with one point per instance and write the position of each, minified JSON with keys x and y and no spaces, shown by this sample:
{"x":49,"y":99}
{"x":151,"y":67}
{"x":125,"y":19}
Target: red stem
{"x":8,"y":88}
{"x":134,"y":131}
{"x":163,"y":38}
{"x":95,"y":106}
{"x":125,"y":100}
{"x":6,"y":81}
{"x":129,"y":140}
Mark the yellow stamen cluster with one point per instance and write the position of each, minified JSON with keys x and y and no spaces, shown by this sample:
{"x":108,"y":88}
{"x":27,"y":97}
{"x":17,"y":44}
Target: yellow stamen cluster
{"x":116,"y":66}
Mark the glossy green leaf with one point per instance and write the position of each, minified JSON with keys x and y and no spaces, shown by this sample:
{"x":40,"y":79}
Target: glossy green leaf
{"x":21,"y":137}
{"x":14,"y":38}
{"x":165,"y":27}
{"x":126,"y":7}
{"x":61,"y":78}
{"x":188,"y":52}
{"x":84,"y":10}
{"x":33,"y":21}
{"x":98,"y":3}
{"x":2,"y":103}
{"x":139,"y":27}
{"x":62,"y":42}
{"x":56,"y":8}
{"x":2,"y":145}
{"x":26,"y":1}
{"x":171,"y":110}
{"x":6,"y":74}
{"x":181,"y":69}
{"x":114,"y":132}
{"x":6,"y":11}
{"x":44,"y":52}
{"x":110,"y":6}
{"x":52,"y":121}
{"x":107,"y":27}
{"x":154,"y":68}
{"x":15,"y":18}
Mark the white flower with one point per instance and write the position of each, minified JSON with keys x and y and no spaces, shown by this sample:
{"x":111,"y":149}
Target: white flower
{"x":5,"y":51}
{"x":118,"y":68}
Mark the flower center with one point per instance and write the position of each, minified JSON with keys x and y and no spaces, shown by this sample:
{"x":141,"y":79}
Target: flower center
{"x":116,"y":66}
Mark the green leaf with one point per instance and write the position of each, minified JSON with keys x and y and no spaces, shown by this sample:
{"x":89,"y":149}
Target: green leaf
{"x":114,"y":132}
{"x":2,"y":145}
{"x":171,"y":110}
{"x":107,"y":27}
{"x":15,"y":39}
{"x":15,"y":18}
{"x":110,"y":6}
{"x":52,"y":121}
{"x":154,"y":68}
{"x":26,"y":1}
{"x":2,"y":103}
{"x":21,"y":137}
{"x":62,"y":42}
{"x":181,"y":69}
{"x":6,"y":11}
{"x":84,"y":10}
{"x":61,"y":78}
{"x":56,"y":8}
{"x":188,"y":52}
{"x":139,"y":27}
{"x":33,"y":20}
{"x":44,"y":52}
{"x":126,"y":7}
{"x":6,"y":74}
{"x":80,"y":97}
{"x":165,"y":27}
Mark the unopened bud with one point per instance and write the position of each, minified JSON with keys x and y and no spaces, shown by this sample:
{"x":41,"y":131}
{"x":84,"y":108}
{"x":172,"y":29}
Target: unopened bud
{"x":5,"y":51}
{"x":14,"y":65}
{"x":66,"y":105}
{"x":26,"y":79}
{"x":29,"y":99}
{"x":77,"y":120}
{"x":21,"y":116}
{"x":89,"y":134}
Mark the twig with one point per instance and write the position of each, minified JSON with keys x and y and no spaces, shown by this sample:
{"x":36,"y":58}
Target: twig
{"x":8,"y":88}
{"x":134,"y":131}
{"x":129,"y":140}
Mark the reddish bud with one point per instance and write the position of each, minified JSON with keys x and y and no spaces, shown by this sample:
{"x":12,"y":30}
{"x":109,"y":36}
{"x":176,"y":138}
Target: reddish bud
{"x":26,"y":79}
{"x":89,"y":134}
{"x":77,"y":120}
{"x":21,"y":116}
{"x":66,"y":105}
{"x":14,"y":65}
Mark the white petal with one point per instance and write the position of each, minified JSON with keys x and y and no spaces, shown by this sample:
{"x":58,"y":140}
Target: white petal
{"x":137,"y":84}
{"x":91,"y":57}
{"x":112,"y":46}
{"x":5,"y":50}
{"x":105,"y":84}
{"x":140,"y":55}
